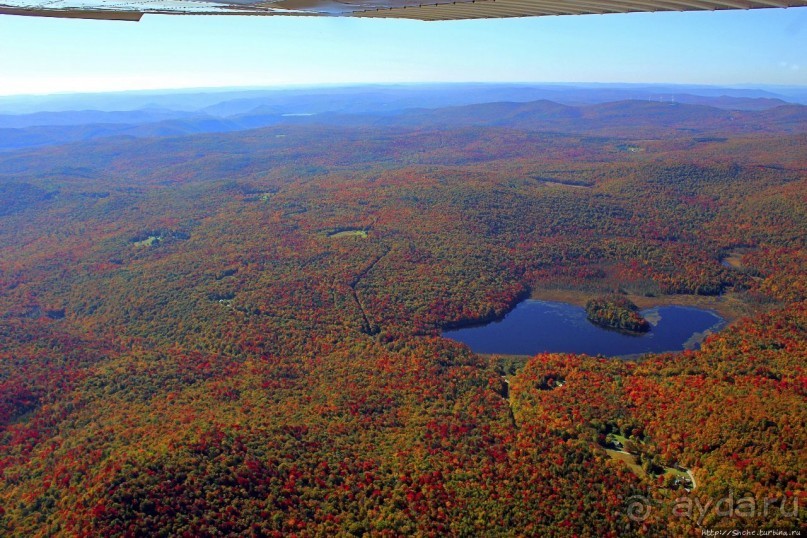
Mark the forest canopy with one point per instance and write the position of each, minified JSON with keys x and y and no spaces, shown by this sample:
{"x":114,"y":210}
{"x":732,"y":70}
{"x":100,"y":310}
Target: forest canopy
{"x":616,"y":312}
{"x":240,"y":333}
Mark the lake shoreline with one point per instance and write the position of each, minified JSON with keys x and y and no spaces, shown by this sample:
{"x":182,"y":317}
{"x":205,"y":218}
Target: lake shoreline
{"x":537,"y":326}
{"x":728,"y":306}
{"x":485,"y":320}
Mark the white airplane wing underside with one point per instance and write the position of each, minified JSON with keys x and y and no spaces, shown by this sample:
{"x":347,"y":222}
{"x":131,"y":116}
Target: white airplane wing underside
{"x":426,"y":10}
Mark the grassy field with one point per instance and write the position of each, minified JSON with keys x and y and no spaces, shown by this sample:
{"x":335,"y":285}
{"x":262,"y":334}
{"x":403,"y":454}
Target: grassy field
{"x":348,"y":233}
{"x":629,"y":459}
{"x":148,"y":242}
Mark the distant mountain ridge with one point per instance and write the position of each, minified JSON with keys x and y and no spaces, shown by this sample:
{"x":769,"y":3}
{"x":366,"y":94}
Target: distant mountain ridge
{"x":621,"y":118}
{"x":84,"y":117}
{"x":378,"y":97}
{"x":616,"y":118}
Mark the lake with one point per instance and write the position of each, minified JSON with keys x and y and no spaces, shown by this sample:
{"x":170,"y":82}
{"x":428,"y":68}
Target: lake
{"x":542,"y":326}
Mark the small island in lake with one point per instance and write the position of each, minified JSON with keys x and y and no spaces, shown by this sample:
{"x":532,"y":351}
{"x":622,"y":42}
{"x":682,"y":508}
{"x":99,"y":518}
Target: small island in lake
{"x":616,"y":312}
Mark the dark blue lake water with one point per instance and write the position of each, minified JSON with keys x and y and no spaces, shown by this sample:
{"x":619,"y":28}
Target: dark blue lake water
{"x":541,"y":326}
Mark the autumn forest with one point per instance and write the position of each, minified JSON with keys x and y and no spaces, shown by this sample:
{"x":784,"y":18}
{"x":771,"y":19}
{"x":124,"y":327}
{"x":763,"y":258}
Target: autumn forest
{"x":240,"y":333}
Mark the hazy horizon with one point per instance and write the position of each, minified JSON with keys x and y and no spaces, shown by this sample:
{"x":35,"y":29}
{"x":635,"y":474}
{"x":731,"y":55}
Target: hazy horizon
{"x":412,"y":94}
{"x":335,"y":85}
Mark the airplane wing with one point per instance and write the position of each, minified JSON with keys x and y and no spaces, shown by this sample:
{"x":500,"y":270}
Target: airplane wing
{"x":425,"y":10}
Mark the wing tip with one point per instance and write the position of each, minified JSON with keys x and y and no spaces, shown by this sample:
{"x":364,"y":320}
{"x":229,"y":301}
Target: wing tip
{"x":98,"y":14}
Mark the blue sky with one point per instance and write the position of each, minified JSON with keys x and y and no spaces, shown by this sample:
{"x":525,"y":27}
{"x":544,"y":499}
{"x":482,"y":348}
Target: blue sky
{"x":750,"y":48}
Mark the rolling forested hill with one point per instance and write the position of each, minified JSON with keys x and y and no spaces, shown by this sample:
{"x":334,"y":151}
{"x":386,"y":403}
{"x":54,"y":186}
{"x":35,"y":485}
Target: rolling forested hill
{"x":240,"y":333}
